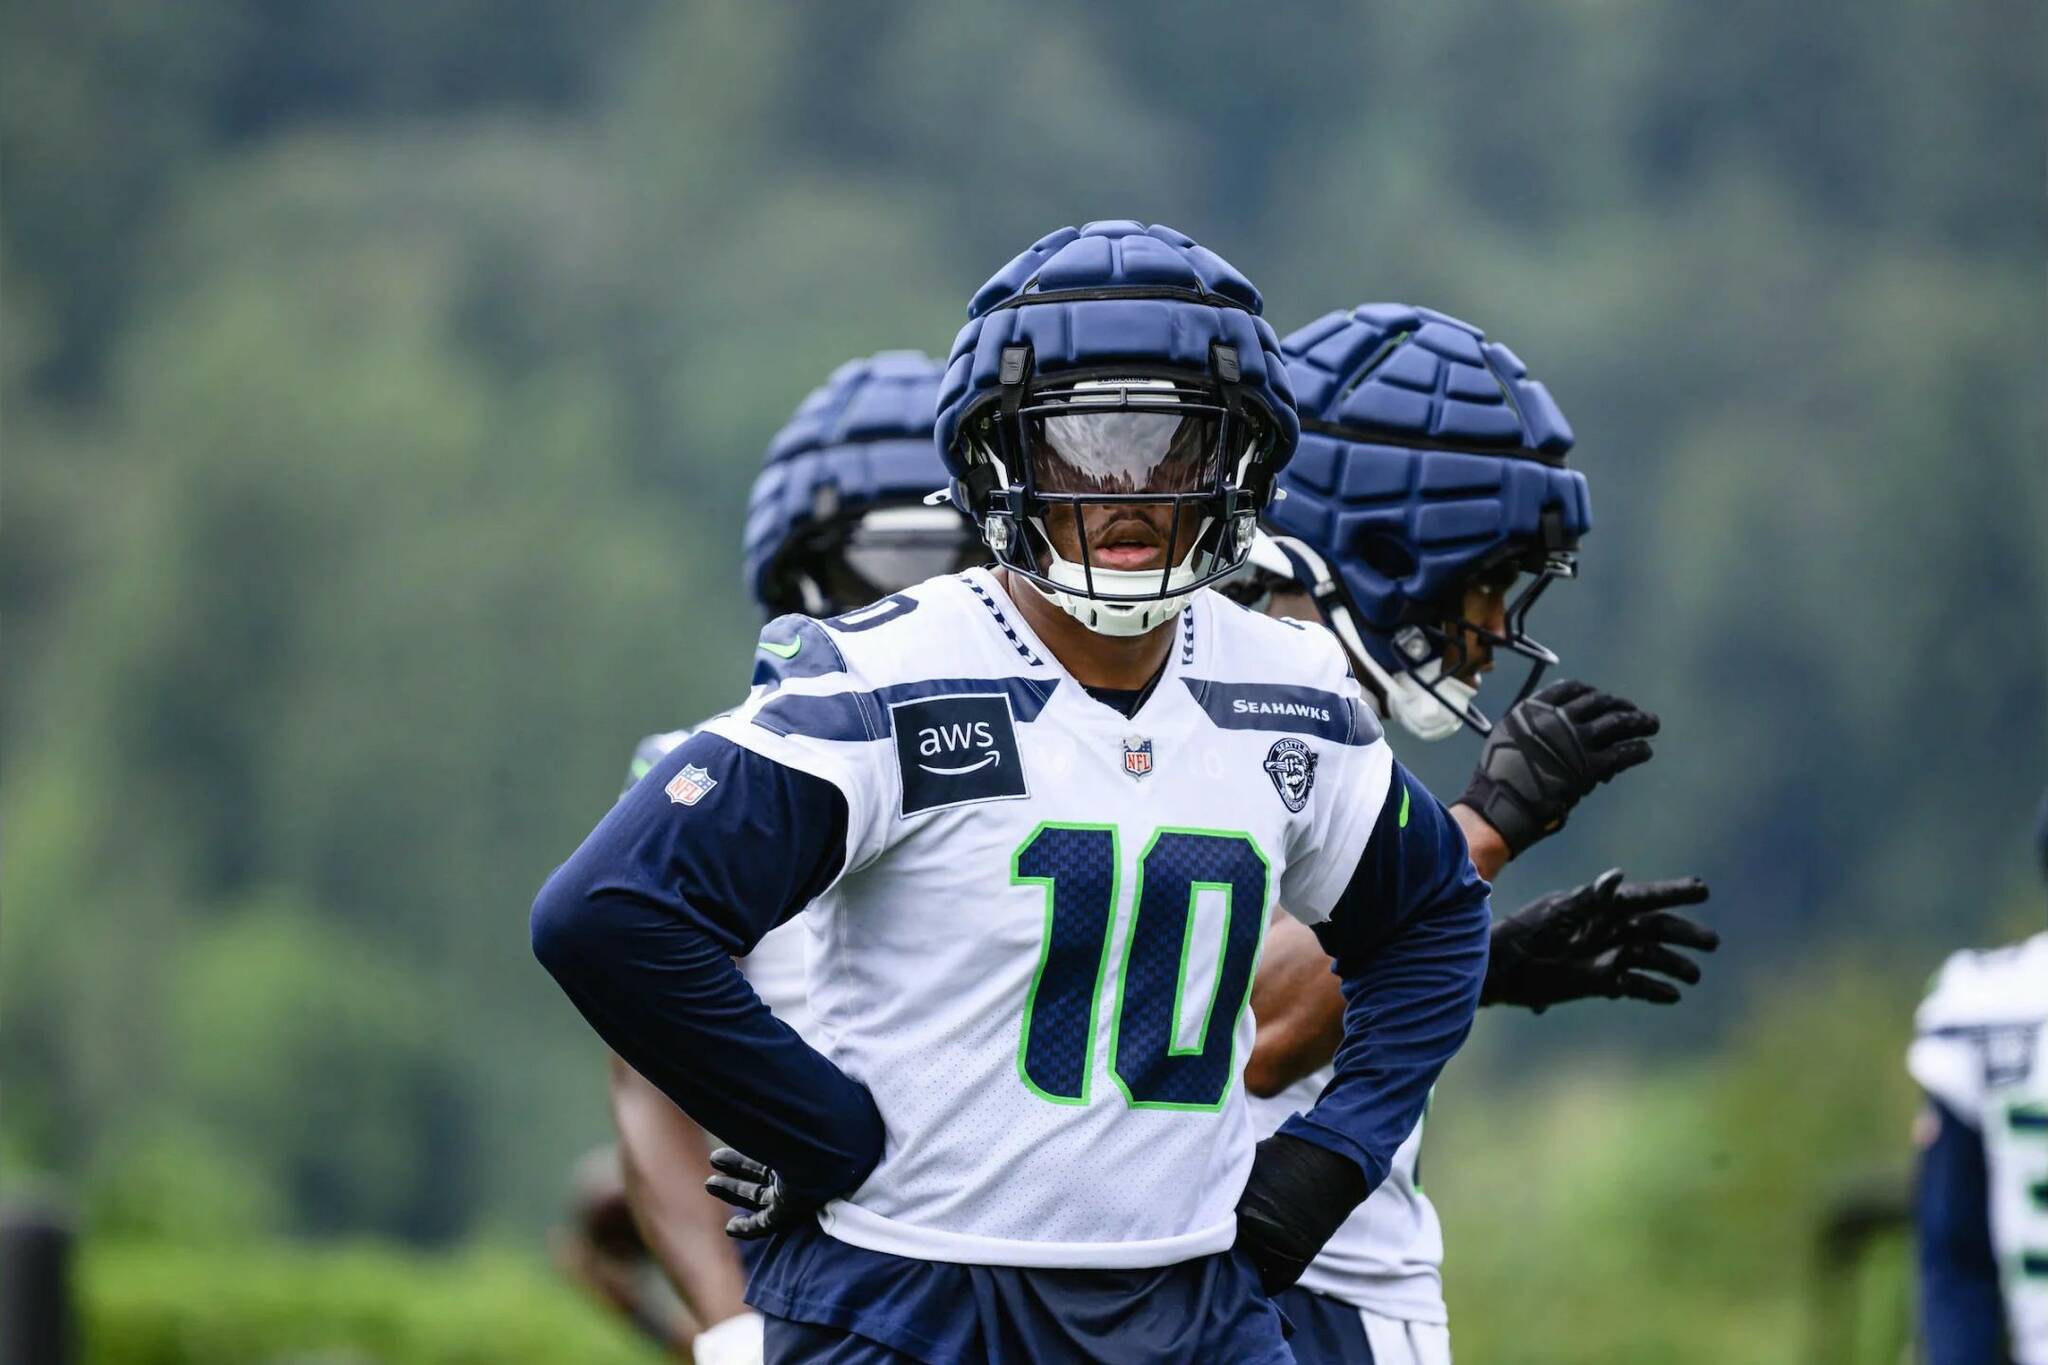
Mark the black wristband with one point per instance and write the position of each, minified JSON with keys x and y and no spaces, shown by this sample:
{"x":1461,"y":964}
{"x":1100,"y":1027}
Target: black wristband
{"x":1298,"y":1195}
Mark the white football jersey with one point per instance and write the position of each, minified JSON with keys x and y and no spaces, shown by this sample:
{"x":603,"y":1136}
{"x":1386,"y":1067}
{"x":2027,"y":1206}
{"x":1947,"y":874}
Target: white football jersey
{"x":1038,"y":954}
{"x":1982,"y":1050}
{"x":1388,"y":1256}
{"x":775,"y":968}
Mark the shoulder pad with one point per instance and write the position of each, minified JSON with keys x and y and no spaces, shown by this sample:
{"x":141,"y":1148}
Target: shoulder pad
{"x":795,"y":647}
{"x":857,"y":643}
{"x":651,"y":751}
{"x":1269,"y":674}
{"x":1268,"y":646}
{"x":1980,"y":987}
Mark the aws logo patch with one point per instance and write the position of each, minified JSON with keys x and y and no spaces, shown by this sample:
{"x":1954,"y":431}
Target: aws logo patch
{"x":953,"y":750}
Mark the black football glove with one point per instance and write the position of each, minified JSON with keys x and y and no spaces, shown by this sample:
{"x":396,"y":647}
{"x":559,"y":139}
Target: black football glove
{"x":767,"y":1206}
{"x":1298,"y":1195}
{"x":1601,"y":940}
{"x":1548,"y":752}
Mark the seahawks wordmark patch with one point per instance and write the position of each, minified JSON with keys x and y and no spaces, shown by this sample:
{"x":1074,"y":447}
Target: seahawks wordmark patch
{"x":954,"y":750}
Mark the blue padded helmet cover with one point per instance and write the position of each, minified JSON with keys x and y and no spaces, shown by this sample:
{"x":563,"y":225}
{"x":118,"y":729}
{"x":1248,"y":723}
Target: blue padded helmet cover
{"x":861,"y":439}
{"x":1428,"y":453}
{"x":1087,"y":333}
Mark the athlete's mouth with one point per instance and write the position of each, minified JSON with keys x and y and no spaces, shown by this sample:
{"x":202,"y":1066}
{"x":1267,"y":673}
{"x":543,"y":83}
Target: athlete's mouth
{"x":1129,"y":544}
{"x":1477,"y":664}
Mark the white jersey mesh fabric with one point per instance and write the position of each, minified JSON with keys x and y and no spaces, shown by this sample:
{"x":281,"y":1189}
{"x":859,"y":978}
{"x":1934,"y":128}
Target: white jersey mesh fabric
{"x":1038,"y":954}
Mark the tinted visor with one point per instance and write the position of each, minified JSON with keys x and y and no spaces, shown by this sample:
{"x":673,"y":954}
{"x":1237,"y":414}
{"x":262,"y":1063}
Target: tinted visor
{"x":1124,"y":451}
{"x":893,"y":548}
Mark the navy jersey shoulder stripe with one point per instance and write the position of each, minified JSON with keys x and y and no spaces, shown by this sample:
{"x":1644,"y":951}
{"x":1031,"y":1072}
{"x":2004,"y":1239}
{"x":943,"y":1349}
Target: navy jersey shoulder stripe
{"x":855,"y":716}
{"x":1283,"y":706}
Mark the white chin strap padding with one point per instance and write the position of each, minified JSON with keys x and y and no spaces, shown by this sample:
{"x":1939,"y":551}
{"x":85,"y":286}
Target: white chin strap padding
{"x":1106,"y":616}
{"x":1409,"y":702}
{"x":1416,"y":707}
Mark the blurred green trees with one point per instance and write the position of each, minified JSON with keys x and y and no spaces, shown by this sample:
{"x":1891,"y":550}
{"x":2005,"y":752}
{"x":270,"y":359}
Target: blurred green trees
{"x":381,"y":390}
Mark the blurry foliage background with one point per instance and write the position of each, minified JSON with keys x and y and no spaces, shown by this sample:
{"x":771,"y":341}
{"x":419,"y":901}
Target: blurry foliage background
{"x":382,"y":383}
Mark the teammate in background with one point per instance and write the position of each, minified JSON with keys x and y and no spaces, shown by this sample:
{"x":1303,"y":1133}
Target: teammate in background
{"x":599,"y":1247}
{"x":1430,"y":479}
{"x":1038,"y":817}
{"x":1981,"y":1202}
{"x":835,"y":520}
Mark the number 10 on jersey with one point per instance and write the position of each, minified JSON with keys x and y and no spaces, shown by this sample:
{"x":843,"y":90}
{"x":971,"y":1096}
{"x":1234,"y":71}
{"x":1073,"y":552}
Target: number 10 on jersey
{"x":1081,"y":871}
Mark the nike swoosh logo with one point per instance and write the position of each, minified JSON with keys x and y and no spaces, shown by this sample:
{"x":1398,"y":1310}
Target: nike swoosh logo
{"x":1404,"y":806}
{"x":955,"y":772}
{"x":787,"y":651}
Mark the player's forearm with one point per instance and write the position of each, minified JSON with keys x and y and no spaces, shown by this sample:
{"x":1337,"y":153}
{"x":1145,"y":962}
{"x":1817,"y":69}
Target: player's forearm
{"x":666,"y":1160}
{"x":671,"y":1002}
{"x":1409,"y":934}
{"x":1408,"y":1009}
{"x":694,"y":864}
{"x":1489,"y":851}
{"x":1299,"y":1007}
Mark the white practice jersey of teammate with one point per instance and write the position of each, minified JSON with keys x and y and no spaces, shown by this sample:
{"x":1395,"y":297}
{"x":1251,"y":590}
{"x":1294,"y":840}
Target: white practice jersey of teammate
{"x":1038,"y":954}
{"x":775,"y":968}
{"x":1388,"y":1256}
{"x":1982,"y":1050}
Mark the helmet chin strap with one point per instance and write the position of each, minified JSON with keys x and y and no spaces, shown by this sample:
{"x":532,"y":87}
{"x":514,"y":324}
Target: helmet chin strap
{"x":1421,"y":710}
{"x":1416,"y":699}
{"x":1107,"y":616}
{"x":1120,"y":620}
{"x":1408,"y":698}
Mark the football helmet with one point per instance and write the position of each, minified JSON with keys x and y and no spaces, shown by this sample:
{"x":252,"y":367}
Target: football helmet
{"x":838,"y":516}
{"x":1429,"y":463}
{"x":1108,"y":371}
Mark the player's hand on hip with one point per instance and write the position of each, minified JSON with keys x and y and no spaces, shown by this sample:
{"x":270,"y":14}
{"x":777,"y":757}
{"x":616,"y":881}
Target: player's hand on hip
{"x":1549,"y":752}
{"x":766,"y":1205}
{"x":1297,"y":1196}
{"x":1609,"y":939}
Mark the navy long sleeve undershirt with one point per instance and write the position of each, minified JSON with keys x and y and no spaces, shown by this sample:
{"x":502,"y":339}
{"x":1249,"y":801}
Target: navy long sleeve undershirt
{"x":1409,"y":938}
{"x":1962,"y":1315}
{"x":640,"y":928}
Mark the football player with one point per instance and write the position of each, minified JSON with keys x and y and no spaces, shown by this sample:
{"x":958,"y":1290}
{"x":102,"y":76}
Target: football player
{"x":1036,"y":819}
{"x":836,"y":520}
{"x":1981,"y":1200}
{"x":1427,"y":509}
{"x":599,"y":1248}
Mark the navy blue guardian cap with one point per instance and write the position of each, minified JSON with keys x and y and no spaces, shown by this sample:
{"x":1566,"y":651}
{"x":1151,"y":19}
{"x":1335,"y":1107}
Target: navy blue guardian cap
{"x":1111,"y":368}
{"x":838,"y":516}
{"x":1430,"y":462}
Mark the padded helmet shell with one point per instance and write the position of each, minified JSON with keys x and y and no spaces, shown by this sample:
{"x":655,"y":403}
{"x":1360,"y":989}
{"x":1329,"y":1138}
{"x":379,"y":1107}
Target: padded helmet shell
{"x":1076,"y":298}
{"x":1427,"y":453}
{"x":860,"y":440}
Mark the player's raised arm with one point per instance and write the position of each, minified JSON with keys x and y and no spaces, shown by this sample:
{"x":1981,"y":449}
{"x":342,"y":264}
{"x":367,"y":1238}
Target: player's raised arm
{"x":714,"y":847}
{"x":1408,"y":932}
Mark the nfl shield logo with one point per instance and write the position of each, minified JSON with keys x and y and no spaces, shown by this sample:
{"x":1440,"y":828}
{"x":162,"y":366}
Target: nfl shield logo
{"x":688,"y":787}
{"x":1137,"y":756}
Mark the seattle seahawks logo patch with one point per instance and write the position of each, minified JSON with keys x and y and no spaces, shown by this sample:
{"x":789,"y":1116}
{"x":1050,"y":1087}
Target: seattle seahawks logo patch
{"x":2009,"y":1055}
{"x":1292,"y":766}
